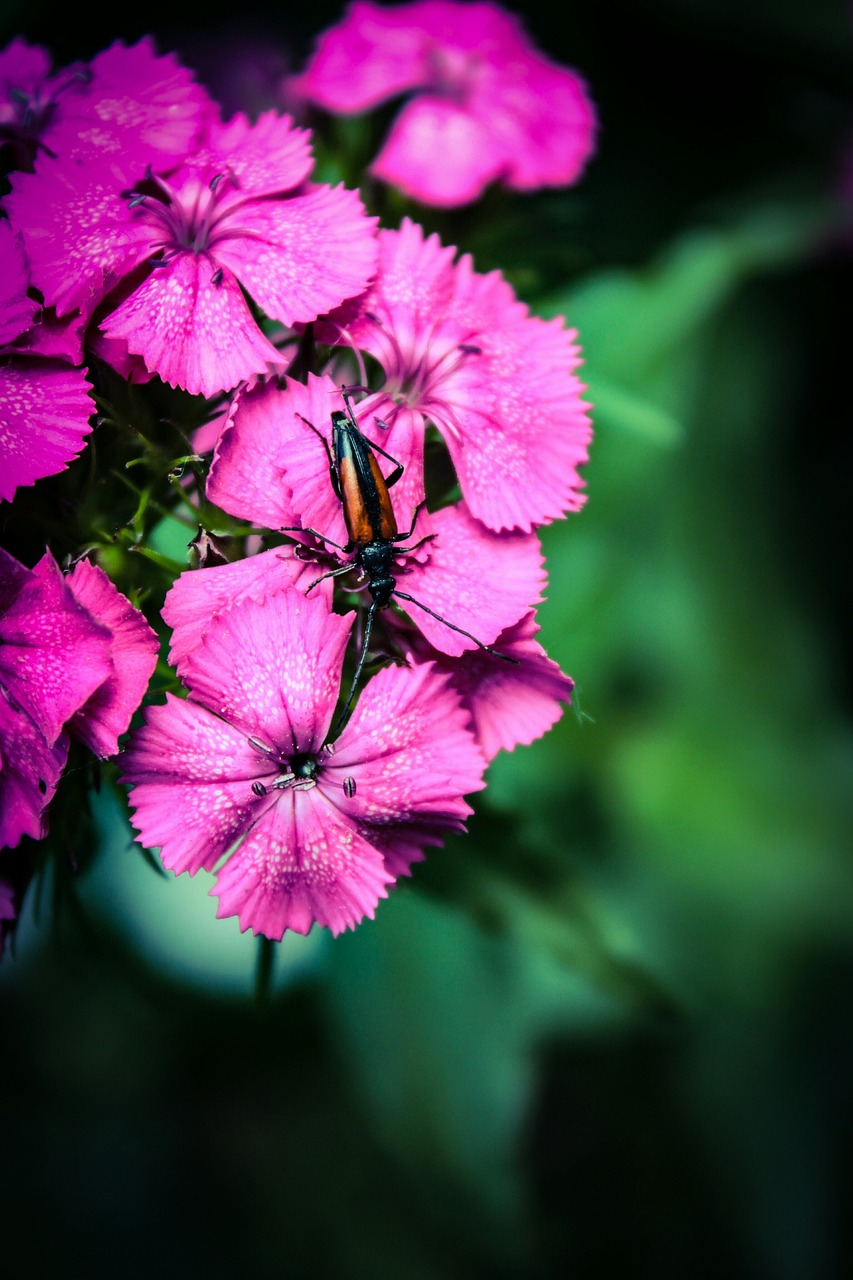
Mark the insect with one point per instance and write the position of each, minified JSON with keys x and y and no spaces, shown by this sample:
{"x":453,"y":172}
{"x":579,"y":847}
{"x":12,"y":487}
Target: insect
{"x":372,"y":528}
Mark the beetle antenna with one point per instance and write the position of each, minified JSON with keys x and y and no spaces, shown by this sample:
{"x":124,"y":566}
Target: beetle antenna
{"x":486,"y":648}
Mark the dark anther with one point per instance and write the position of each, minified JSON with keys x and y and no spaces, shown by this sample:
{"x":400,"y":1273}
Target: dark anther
{"x":259,"y":789}
{"x":216,"y":278}
{"x":215,"y":181}
{"x":137,"y":200}
{"x":469,"y":349}
{"x":349,"y":788}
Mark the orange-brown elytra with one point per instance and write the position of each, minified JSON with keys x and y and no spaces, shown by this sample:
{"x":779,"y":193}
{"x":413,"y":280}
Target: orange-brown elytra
{"x":372,"y":528}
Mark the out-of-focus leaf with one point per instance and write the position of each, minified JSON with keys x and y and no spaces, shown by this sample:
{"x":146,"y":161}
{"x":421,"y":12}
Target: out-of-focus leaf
{"x":636,"y":328}
{"x":439,"y":1022}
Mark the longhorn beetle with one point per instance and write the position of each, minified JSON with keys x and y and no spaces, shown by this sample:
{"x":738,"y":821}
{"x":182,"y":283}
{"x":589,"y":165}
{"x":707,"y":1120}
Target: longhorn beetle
{"x":372,"y":528}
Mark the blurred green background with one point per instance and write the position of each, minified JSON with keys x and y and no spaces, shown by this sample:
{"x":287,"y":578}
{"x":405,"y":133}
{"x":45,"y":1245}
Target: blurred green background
{"x":610,"y":1029}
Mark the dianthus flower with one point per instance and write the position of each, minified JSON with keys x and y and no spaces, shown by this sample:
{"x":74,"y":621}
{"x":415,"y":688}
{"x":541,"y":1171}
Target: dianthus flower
{"x":313,"y":831}
{"x":238,"y":212}
{"x":461,"y":352}
{"x":510,"y":704}
{"x":269,"y":467}
{"x":487,"y":105}
{"x":123,"y":94}
{"x":45,"y":405}
{"x":75,"y":657}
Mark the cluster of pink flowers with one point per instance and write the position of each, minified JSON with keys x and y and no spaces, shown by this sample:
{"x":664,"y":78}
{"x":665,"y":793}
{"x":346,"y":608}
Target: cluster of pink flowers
{"x":143,"y":233}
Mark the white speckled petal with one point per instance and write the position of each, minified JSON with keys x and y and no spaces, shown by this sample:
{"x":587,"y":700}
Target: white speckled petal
{"x":305,"y":254}
{"x":133,"y":650}
{"x":53,"y":654}
{"x":273,"y":668}
{"x":409,"y":750}
{"x":193,"y":332}
{"x":44,"y":420}
{"x":192,"y":775}
{"x":477,"y":579}
{"x":80,"y":235}
{"x":198,"y":595}
{"x":302,"y":863}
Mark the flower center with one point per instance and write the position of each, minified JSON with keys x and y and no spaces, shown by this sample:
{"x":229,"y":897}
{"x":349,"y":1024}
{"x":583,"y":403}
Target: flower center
{"x":191,"y":217}
{"x":296,"y":773}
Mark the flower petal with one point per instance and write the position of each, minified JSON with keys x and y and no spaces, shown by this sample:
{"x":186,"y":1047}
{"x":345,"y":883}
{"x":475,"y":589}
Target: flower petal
{"x":410,"y":752}
{"x":372,"y":54}
{"x":133,"y":652}
{"x":191,"y":775}
{"x":54,"y":655}
{"x":476,"y":579}
{"x":199,"y":595}
{"x":44,"y":419}
{"x":511,"y":705}
{"x":29,"y":772}
{"x":193,"y":332}
{"x":261,"y":159}
{"x":16,"y":309}
{"x":438,"y":153}
{"x":305,"y":254}
{"x":262,"y":439}
{"x":302,"y":863}
{"x":79,"y":234}
{"x":135,"y":109}
{"x":273,"y":668}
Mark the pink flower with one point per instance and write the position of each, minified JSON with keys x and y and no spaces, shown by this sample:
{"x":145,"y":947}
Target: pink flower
{"x":460,"y":351}
{"x":198,"y":596}
{"x":106,"y":714}
{"x":487,"y":105}
{"x":75,"y":657}
{"x":270,"y":467}
{"x":53,"y":653}
{"x":238,"y":214}
{"x":320,"y":829}
{"x":44,"y":404}
{"x":30,"y":770}
{"x":510,"y":705}
{"x":126,"y":97}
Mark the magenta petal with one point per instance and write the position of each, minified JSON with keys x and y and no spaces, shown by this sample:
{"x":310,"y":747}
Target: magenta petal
{"x":273,"y":668}
{"x":23,"y":67}
{"x":248,"y":474}
{"x":44,"y":419}
{"x":54,"y":655}
{"x":512,"y":705}
{"x":372,"y":54}
{"x":542,"y":120}
{"x":137,"y":109}
{"x":191,"y":775}
{"x":478,"y":580}
{"x":193,"y":332}
{"x":16,"y":309}
{"x":302,"y":863}
{"x":262,"y":159}
{"x":52,"y":338}
{"x":438,"y":153}
{"x":199,"y":595}
{"x":29,"y":773}
{"x":305,"y":255}
{"x":79,"y":234}
{"x":410,"y":752}
{"x":133,"y":650}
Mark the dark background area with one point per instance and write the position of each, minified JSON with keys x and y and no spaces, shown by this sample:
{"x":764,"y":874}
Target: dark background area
{"x":610,"y":1029}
